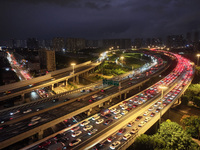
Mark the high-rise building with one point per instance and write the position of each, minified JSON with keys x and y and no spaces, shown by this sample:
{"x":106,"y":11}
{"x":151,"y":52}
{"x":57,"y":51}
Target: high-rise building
{"x":59,"y":44}
{"x":32,"y":43}
{"x":75,"y":44}
{"x":196,"y":36}
{"x":138,"y":42}
{"x":188,"y":38}
{"x":175,"y":41}
{"x":47,"y":59}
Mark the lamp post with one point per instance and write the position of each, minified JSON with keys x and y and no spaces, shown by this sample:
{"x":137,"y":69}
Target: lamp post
{"x":122,"y":58}
{"x":198,"y":59}
{"x":73,"y":64}
{"x":162,"y":87}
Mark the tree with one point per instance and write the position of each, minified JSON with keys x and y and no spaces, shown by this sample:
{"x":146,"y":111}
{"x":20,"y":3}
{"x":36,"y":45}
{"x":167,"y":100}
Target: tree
{"x":192,"y":125}
{"x":184,"y":99}
{"x":196,"y":100}
{"x":143,"y":142}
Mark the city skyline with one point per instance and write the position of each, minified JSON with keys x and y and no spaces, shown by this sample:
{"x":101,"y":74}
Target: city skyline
{"x":97,"y":20}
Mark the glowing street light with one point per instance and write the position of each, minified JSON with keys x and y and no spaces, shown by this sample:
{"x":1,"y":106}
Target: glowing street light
{"x":122,"y":58}
{"x":162,"y":87}
{"x":198,"y":59}
{"x":73,"y":64}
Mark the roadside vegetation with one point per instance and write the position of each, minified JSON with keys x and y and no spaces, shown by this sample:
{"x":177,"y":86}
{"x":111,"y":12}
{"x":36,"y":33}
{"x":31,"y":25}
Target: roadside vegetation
{"x":170,"y":135}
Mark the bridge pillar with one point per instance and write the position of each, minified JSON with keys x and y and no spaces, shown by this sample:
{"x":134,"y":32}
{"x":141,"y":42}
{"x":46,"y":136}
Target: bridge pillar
{"x":101,"y":105}
{"x":77,"y":79}
{"x":89,"y":112}
{"x":139,"y":88}
{"x":125,"y":95}
{"x":52,"y":87}
{"x":66,"y":82}
{"x":110,"y":100}
{"x":40,"y":135}
{"x":120,"y":96}
{"x":73,"y":79}
{"x":22,"y":97}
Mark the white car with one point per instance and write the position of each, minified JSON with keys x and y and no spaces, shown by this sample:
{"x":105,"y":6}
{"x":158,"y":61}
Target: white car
{"x":99,"y":121}
{"x":126,"y":136}
{"x":75,"y":142}
{"x":116,"y":111}
{"x":146,"y":113}
{"x":124,"y":112}
{"x":124,"y":107}
{"x":35,"y":118}
{"x":85,"y":123}
{"x":32,"y":123}
{"x":87,"y":127}
{"x":134,"y":130}
{"x":112,"y":109}
{"x":130,"y":123}
{"x":141,"y":124}
{"x":115,"y":144}
{"x":147,"y":119}
{"x":118,"y":116}
{"x":15,"y":112}
{"x":92,"y":131}
{"x":27,"y":111}
{"x":76,"y":133}
{"x":95,"y":117}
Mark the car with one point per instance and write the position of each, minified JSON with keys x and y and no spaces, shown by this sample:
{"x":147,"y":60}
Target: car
{"x":66,"y":99}
{"x":142,"y":123}
{"x":87,"y":127}
{"x":33,"y":123}
{"x":44,"y":144}
{"x":111,"y":138}
{"x":39,"y":108}
{"x":27,"y":111}
{"x":75,"y":142}
{"x":112,"y":109}
{"x":165,"y":104}
{"x":117,"y":116}
{"x":124,"y":112}
{"x":55,"y":100}
{"x":95,"y":117}
{"x":35,"y":118}
{"x":159,"y":102}
{"x":134,"y":130}
{"x":90,"y":100}
{"x":108,"y":121}
{"x":121,"y":130}
{"x":138,"y":118}
{"x":146,"y":113}
{"x":116,"y":111}
{"x":92,"y":131}
{"x":75,"y":128}
{"x":152,"y":114}
{"x":99,"y":121}
{"x":147,"y":119}
{"x":134,"y":106}
{"x":130,"y":123}
{"x":108,"y":115}
{"x":157,"y":110}
{"x":115,"y":144}
{"x":76,"y":133}
{"x":84,"y":123}
{"x":156,"y":105}
{"x":160,"y":107}
{"x":127,"y":136}
{"x":15,"y":112}
{"x":95,"y":96}
{"x":82,"y":91}
{"x":102,"y":90}
{"x":124,"y":107}
{"x":98,"y":146}
{"x":151,"y":108}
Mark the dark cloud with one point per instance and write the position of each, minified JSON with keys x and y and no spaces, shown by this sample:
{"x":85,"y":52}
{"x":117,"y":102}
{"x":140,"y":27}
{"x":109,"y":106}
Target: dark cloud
{"x":97,"y":19}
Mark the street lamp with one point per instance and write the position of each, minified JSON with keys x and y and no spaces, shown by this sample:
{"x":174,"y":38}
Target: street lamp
{"x":122,"y":58}
{"x":162,"y":87}
{"x":198,"y":59}
{"x":73,"y":64}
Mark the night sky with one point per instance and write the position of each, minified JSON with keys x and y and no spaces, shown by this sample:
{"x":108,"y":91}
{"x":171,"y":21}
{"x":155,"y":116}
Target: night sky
{"x":97,"y":19}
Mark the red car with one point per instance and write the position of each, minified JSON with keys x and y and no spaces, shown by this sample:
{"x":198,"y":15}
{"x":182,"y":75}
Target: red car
{"x":44,"y":144}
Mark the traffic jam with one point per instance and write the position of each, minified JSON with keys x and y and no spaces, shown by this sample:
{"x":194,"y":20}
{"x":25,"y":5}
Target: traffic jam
{"x":174,"y":83}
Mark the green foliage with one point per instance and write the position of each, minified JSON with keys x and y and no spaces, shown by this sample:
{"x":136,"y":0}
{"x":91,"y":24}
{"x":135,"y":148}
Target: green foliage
{"x":192,"y":125}
{"x":196,"y":100}
{"x":170,"y":136}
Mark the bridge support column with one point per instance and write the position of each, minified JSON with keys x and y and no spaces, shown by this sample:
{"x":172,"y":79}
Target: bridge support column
{"x":120,"y":96}
{"x":89,"y":112}
{"x":22,"y":97}
{"x":110,"y":100}
{"x":66,"y":82}
{"x":52,"y":87}
{"x":139,"y":88}
{"x":74,"y":79}
{"x":101,"y":105}
{"x":40,"y":135}
{"x":77,"y":79}
{"x":125,"y":95}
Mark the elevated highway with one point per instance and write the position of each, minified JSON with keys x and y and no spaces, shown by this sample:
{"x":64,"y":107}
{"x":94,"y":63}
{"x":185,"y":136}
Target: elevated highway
{"x":71,"y":112}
